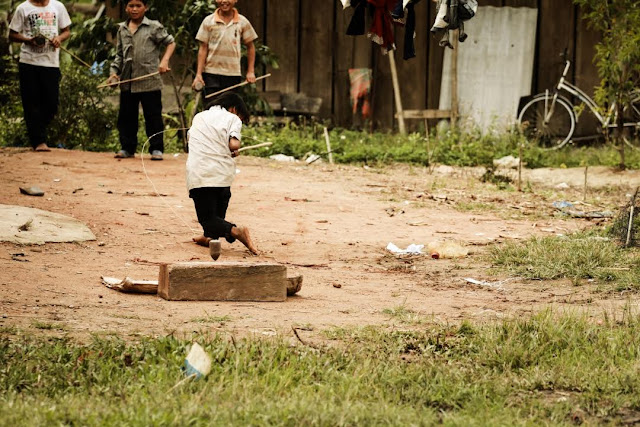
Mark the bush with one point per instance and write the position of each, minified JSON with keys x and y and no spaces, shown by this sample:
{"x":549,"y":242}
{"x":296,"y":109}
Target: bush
{"x":84,"y":119}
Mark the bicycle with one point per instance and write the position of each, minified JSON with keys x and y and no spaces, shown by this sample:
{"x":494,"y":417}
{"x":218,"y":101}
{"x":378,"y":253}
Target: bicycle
{"x":550,"y":117}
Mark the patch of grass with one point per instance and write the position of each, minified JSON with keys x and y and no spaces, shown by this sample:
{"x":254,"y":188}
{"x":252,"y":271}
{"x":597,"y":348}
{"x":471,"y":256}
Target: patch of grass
{"x":464,"y":206}
{"x":8,"y":330}
{"x":48,"y":326}
{"x":402,"y":314}
{"x":212,"y":319}
{"x":577,"y":257}
{"x":468,"y":147}
{"x":507,"y":373}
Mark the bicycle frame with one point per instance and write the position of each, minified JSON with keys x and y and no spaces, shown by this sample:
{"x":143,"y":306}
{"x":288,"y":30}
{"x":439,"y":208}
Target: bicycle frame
{"x":574,"y":90}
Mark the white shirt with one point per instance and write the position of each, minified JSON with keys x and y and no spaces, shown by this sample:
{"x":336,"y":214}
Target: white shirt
{"x":210,"y":163}
{"x":31,"y":20}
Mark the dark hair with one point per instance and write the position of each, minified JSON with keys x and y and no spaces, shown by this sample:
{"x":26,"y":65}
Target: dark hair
{"x":126,"y":2}
{"x":232,"y":100}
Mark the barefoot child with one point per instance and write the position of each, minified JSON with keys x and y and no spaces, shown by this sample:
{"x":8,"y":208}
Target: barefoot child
{"x":41,"y":26}
{"x":214,"y":139}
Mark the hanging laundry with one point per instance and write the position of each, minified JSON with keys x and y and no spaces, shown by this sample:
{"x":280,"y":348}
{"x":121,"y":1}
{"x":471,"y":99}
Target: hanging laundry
{"x":451,"y":16}
{"x":381,"y":31}
{"x":360,"y":79}
{"x":410,"y":29}
{"x":356,"y":25}
{"x":397,"y":13}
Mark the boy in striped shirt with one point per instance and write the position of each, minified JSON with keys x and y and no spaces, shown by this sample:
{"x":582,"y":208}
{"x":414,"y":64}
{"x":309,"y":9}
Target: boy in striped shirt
{"x":221,"y":36}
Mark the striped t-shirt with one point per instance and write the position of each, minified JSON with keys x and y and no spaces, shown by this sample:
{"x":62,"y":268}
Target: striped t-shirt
{"x":224,"y":42}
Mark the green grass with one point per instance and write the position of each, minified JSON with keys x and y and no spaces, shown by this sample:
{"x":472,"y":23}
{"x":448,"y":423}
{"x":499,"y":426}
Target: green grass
{"x":48,"y":326}
{"x":577,"y":257}
{"x":403,"y":314}
{"x":468,"y":147}
{"x":212,"y":319}
{"x":538,"y":371}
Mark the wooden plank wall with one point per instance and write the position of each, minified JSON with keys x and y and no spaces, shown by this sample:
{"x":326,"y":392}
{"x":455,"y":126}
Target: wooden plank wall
{"x":315,"y":54}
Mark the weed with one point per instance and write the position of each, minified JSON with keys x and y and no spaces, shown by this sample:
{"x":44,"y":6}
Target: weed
{"x":504,"y":373}
{"x":212,"y":319}
{"x":576,"y":257}
{"x":48,"y":326}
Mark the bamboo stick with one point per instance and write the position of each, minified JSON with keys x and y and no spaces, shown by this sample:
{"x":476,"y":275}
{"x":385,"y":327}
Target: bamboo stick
{"x":70,"y":53}
{"x":249,"y":147}
{"x":235,"y":86}
{"x":119,"y":82}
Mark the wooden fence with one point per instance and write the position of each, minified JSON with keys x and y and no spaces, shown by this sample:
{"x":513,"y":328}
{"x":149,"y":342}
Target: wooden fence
{"x":309,"y":37}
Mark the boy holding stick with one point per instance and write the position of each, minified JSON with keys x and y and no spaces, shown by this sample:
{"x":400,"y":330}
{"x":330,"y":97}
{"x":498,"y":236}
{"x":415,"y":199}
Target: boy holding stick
{"x":41,"y":26}
{"x":219,"y":54}
{"x":214,"y":139}
{"x":139,"y":41}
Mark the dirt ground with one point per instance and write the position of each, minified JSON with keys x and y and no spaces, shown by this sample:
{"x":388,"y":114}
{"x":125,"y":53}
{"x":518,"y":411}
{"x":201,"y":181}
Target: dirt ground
{"x":330,"y":223}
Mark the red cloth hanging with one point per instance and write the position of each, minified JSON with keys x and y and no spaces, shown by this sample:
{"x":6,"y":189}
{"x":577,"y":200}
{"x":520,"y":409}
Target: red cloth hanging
{"x":381,"y":31}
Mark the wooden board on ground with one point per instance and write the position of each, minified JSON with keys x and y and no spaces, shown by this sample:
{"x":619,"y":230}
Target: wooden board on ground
{"x":222,"y":281}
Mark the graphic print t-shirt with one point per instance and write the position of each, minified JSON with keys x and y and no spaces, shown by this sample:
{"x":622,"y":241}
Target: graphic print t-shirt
{"x":31,"y":20}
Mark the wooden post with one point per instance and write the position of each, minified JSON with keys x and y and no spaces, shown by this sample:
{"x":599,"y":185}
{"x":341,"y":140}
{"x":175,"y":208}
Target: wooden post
{"x":584,"y":196}
{"x":520,"y":167}
{"x":328,"y":141}
{"x":396,"y":92}
{"x":454,"y":80}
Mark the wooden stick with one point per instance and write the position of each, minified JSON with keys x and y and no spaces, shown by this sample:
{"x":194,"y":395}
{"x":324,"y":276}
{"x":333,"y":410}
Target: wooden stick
{"x":520,"y":167}
{"x":69,"y":52}
{"x":249,"y":147}
{"x":454,"y":81}
{"x":630,"y":226}
{"x":235,"y":86}
{"x":328,"y":141}
{"x":396,"y":93}
{"x":119,"y":82}
{"x":584,"y":195}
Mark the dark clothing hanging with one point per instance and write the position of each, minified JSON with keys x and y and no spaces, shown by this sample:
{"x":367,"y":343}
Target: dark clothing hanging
{"x":409,"y":31}
{"x":356,"y":26}
{"x":398,"y":12}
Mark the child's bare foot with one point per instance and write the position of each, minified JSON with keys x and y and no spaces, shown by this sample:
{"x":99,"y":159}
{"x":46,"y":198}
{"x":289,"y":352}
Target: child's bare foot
{"x":202,"y":240}
{"x":42,"y":147}
{"x":242,"y":234}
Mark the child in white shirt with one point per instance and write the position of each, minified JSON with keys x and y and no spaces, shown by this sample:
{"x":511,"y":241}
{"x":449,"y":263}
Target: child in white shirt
{"x":214,"y":139}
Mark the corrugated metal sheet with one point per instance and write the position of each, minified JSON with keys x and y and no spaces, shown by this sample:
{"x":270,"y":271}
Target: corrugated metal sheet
{"x":495,"y":65}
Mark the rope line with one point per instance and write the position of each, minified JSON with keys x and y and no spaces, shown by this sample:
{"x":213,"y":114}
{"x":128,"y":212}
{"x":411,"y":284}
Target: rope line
{"x":154,"y":186}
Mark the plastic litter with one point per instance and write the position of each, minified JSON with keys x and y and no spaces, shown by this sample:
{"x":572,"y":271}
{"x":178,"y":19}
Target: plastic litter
{"x":447,"y":249}
{"x":412,"y":249}
{"x":198,"y":362}
{"x":570,"y":209}
{"x":507,"y":162}
{"x":282,"y":158}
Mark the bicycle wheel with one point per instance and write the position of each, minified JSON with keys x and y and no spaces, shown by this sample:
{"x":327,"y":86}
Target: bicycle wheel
{"x":557,"y":130}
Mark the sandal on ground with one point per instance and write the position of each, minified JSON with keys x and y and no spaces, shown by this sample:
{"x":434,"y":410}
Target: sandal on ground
{"x":123,"y":154}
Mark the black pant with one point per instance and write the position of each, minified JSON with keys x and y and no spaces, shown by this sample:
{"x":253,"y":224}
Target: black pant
{"x":40,"y":92}
{"x":215,"y":82}
{"x":211,"y":208}
{"x":128,"y":119}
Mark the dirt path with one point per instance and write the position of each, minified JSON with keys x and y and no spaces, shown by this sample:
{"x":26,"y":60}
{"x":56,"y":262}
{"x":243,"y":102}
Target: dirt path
{"x":329,"y":223}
